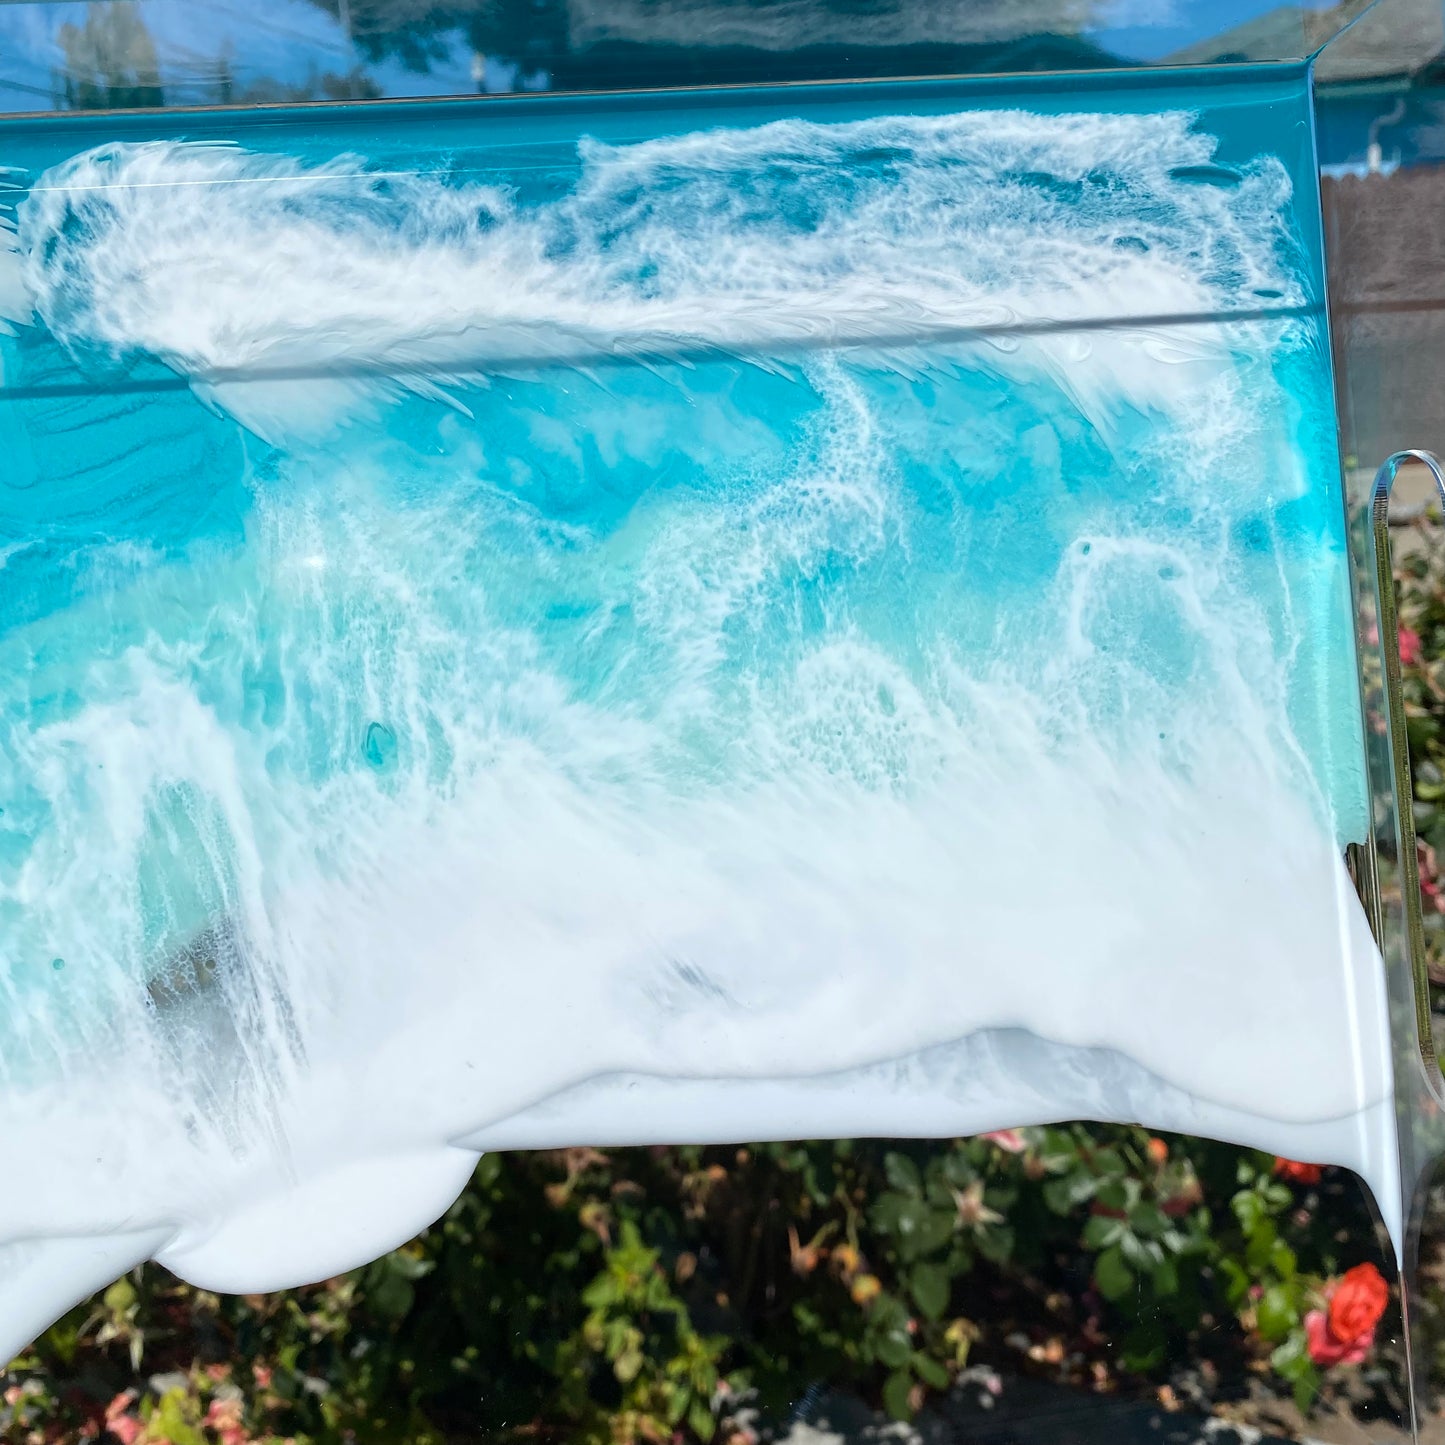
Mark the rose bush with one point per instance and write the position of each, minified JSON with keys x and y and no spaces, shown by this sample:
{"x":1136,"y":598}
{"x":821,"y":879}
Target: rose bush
{"x":696,"y":1294}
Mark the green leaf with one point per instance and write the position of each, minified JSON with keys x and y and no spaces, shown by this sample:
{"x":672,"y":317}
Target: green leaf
{"x":677,"y":1398}
{"x":1282,"y":1260}
{"x":1292,"y":1355}
{"x":120,"y":1296}
{"x":1306,"y":1387}
{"x":1292,"y":1362}
{"x":894,"y":1348}
{"x":391,"y":1295}
{"x":1144,"y":1348}
{"x":1276,"y":1315}
{"x":1114,"y":1194}
{"x":958,"y":1169}
{"x":1236,"y":1281}
{"x":700,"y":1420}
{"x":896,"y":1389}
{"x":930,"y":1371}
{"x":887,"y":1211}
{"x":1070,"y":1191}
{"x":912,"y":1222}
{"x":996,"y":1243}
{"x":63,"y":1338}
{"x":1248,"y":1208}
{"x":627,"y":1365}
{"x":1166,"y":1277}
{"x":170,"y":1421}
{"x":935,"y":1229}
{"x":1101,"y":1231}
{"x":1148,"y":1220}
{"x":409,"y":1266}
{"x":902,"y":1173}
{"x":1277,"y":1196}
{"x":1114,"y":1278}
{"x":888,"y":1314}
{"x":930,"y":1286}
{"x":1261,"y":1245}
{"x":603,"y":1291}
{"x":1141,"y":1255}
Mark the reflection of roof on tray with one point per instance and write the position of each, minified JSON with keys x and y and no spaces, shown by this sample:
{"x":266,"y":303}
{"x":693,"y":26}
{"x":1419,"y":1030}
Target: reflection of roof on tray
{"x":1390,"y":37}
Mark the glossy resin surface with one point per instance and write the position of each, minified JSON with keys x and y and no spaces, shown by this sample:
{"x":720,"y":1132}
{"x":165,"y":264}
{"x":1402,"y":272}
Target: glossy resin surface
{"x":571,"y":621}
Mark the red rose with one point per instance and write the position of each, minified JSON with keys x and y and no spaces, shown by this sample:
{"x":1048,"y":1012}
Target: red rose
{"x":1409,"y":647}
{"x":1357,"y":1302}
{"x":1296,"y":1172}
{"x":1009,"y":1140}
{"x":119,"y":1421}
{"x":1326,"y":1350}
{"x":1430,"y":892}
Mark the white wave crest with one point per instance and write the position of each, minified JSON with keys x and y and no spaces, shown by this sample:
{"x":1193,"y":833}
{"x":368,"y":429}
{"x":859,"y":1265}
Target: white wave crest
{"x":884,"y":233}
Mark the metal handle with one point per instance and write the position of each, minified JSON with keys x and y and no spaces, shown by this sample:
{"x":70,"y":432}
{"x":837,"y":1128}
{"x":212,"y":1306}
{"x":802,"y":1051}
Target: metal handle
{"x":1389,"y":631}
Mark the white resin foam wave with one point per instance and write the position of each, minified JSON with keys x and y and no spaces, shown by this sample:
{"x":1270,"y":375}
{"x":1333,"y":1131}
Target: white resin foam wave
{"x":684,"y":883}
{"x":894,"y":231}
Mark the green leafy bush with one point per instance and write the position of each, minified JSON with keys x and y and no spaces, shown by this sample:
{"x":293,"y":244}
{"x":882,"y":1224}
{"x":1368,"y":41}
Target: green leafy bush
{"x":646,"y":1295}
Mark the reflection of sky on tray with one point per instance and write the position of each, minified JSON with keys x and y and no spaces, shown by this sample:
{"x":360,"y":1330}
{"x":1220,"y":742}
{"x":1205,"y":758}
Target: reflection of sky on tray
{"x":296,"y":44}
{"x":287,"y":42}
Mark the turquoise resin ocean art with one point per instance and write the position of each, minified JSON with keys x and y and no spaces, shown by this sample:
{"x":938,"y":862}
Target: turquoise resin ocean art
{"x":773,"y":613}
